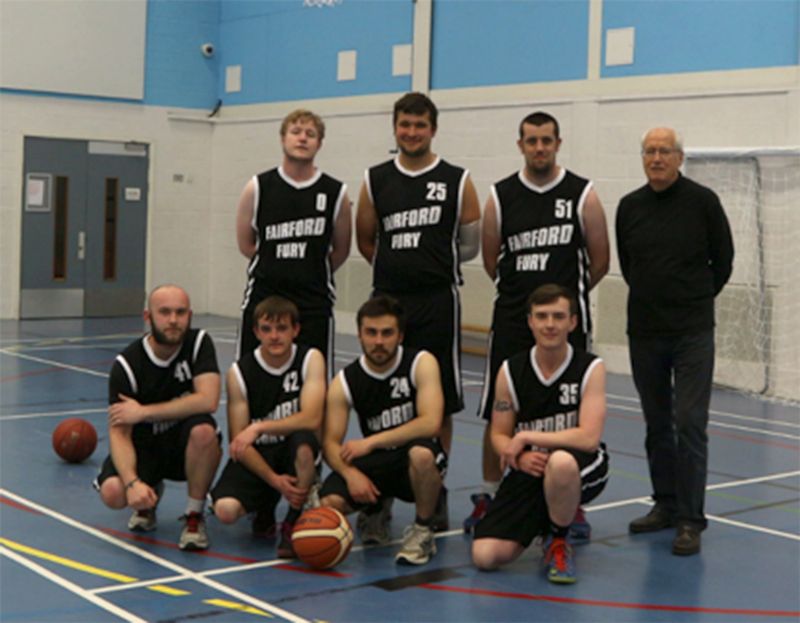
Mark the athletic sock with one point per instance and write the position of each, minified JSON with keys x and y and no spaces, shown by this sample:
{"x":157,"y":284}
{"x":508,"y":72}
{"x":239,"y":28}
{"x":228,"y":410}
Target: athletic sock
{"x":423,"y":522}
{"x":490,"y":487}
{"x":558,"y":531}
{"x":195,"y":506}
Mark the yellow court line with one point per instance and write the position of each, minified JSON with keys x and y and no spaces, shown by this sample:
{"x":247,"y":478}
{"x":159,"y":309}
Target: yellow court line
{"x":224,"y":603}
{"x":79,"y":566}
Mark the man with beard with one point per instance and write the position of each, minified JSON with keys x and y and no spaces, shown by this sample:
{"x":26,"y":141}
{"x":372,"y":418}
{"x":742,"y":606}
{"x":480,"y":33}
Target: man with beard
{"x":542,"y":224}
{"x":293,"y":225}
{"x":418,"y":218}
{"x":397,"y":396}
{"x":163,"y":390}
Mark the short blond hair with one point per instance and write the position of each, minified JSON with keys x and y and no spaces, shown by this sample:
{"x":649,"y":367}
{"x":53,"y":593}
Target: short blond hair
{"x":301,"y":114}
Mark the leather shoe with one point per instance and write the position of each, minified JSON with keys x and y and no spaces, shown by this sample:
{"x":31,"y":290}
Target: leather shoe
{"x":687,"y":540}
{"x":657,"y":519}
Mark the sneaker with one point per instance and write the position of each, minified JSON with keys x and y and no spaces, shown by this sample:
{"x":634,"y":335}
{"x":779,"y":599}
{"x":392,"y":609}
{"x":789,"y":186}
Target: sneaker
{"x":559,"y":561}
{"x":194,"y":536}
{"x":441,"y":520}
{"x":145,"y":521}
{"x":580,"y":529}
{"x":481,"y":502}
{"x":374,"y":528}
{"x":659,"y":518}
{"x":312,"y":501}
{"x":263,"y":525}
{"x":285,"y":545}
{"x":418,"y":545}
{"x":687,"y":540}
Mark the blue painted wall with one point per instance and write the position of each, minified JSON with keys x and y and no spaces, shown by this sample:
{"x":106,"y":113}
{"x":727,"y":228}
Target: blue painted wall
{"x":705,"y":35}
{"x":289,"y":51}
{"x":491,"y":42}
{"x":176,"y":72}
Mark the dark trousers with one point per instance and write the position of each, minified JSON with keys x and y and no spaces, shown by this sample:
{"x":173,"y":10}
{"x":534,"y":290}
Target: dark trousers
{"x":673,"y":377}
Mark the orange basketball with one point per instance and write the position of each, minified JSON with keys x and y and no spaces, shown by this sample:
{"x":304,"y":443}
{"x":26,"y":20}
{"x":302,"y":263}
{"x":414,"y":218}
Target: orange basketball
{"x":322,"y":537}
{"x":74,"y":440}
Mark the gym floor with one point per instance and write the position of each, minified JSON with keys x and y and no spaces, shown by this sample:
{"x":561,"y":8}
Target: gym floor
{"x":66,"y":557}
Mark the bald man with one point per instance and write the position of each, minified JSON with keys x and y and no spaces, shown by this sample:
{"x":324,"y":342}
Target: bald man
{"x":676,"y":254}
{"x":163,"y":390}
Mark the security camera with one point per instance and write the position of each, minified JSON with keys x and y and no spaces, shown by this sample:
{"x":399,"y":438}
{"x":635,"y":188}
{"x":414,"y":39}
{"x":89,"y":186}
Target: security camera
{"x":207,"y":49}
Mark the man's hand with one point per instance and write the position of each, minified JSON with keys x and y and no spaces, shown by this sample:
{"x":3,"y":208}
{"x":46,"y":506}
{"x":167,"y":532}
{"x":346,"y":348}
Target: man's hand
{"x":127,"y":412}
{"x":510,"y":454}
{"x":532,"y":462}
{"x":361,"y":488}
{"x":355,"y":448}
{"x":286,"y":484}
{"x":242,"y":442}
{"x":140,"y":496}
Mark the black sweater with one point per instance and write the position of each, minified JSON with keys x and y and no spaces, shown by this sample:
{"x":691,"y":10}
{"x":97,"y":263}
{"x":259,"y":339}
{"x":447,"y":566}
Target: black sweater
{"x":676,"y":254}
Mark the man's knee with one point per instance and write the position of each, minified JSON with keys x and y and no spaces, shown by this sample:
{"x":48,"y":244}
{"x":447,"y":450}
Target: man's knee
{"x":484,"y":556}
{"x":421,"y":459}
{"x":203,"y":437}
{"x":336,"y":502}
{"x":112,"y":492}
{"x":561,"y":467}
{"x":228,"y":510}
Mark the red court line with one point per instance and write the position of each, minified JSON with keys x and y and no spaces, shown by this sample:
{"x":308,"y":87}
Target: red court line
{"x":152,"y":541}
{"x":612,"y":604}
{"x":18,"y":506}
{"x":22,"y":375}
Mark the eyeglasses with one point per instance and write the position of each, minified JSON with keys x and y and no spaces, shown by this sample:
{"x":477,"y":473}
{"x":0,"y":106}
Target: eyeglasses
{"x":650,"y":152}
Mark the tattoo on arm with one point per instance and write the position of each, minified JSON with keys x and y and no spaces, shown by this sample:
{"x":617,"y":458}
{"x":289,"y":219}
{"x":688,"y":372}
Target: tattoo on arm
{"x":502,"y":405}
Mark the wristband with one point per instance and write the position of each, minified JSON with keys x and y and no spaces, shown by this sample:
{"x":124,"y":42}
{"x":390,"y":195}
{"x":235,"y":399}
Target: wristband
{"x":132,"y":482}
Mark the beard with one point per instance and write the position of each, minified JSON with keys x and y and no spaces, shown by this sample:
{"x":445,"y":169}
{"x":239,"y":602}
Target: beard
{"x":379,"y":357}
{"x":163,"y":339}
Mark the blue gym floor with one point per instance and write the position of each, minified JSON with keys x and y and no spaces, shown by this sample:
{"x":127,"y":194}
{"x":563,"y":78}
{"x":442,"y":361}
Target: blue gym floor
{"x":65,"y":557}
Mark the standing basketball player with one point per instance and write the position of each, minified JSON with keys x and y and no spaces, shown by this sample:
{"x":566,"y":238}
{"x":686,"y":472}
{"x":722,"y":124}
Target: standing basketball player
{"x":163,"y":390}
{"x":276,"y":395}
{"x":542,"y":224}
{"x":397,"y":395}
{"x":547,"y":421}
{"x":418,"y":218}
{"x":293,"y":224}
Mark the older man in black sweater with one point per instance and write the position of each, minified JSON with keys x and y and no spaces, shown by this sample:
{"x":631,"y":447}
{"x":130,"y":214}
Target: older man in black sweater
{"x":676,"y":254}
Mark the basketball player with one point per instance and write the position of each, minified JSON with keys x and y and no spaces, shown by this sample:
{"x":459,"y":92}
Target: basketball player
{"x":276,"y":396}
{"x":417,"y":219}
{"x":548,"y":417}
{"x":293,"y":225}
{"x":542,"y":224}
{"x":397,"y":394}
{"x":163,"y":391}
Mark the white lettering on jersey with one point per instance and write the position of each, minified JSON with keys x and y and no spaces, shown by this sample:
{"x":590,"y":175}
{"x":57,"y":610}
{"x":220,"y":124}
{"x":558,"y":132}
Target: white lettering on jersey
{"x":437,"y":191}
{"x":183,"y":372}
{"x":291,"y":250}
{"x":281,"y":411}
{"x":563,"y":208}
{"x":415,"y":217}
{"x":532,"y":262}
{"x":391,"y":417}
{"x":569,"y":393}
{"x":551,"y":423}
{"x":322,"y":202}
{"x":296,"y":229}
{"x":406,"y":241}
{"x":400,"y":387}
{"x":555,"y":235}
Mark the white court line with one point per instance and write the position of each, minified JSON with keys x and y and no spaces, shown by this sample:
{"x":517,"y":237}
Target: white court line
{"x":747,"y":526}
{"x":56,"y":364}
{"x":758,"y":431}
{"x":721,"y":485}
{"x":73,"y":588}
{"x":28,"y":416}
{"x":163,"y":562}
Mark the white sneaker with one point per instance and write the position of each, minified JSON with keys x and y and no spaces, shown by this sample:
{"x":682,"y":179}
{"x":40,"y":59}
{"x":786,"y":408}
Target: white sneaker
{"x":312,"y":501}
{"x":374,"y":529}
{"x":194,"y":536}
{"x":145,"y":521}
{"x":418,"y":545}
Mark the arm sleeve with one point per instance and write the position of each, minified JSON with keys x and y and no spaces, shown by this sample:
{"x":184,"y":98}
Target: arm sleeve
{"x":621,"y":253}
{"x":720,"y":244}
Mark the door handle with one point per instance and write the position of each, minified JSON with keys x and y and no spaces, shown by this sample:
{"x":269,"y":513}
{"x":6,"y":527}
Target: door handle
{"x":81,"y":245}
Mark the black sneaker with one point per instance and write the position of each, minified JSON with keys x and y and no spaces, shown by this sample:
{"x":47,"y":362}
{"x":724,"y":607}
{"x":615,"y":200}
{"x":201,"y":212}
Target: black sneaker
{"x":264,"y":524}
{"x":657,"y":519}
{"x":687,"y":540}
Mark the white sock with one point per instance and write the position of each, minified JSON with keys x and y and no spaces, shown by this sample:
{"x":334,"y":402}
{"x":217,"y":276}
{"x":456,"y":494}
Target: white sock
{"x":195,"y":506}
{"x":490,"y":487}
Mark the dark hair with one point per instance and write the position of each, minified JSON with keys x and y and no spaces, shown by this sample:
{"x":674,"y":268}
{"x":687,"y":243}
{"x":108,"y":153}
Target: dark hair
{"x":415,"y":104}
{"x":382,"y":305}
{"x":274,"y":308}
{"x":539,"y":118}
{"x":550,"y":293}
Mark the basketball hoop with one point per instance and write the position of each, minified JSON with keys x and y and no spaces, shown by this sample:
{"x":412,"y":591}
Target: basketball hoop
{"x":321,"y":3}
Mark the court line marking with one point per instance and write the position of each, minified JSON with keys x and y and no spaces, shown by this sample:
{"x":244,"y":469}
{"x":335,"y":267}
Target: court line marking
{"x":28,"y":416}
{"x":56,"y":364}
{"x":223,"y":588}
{"x":73,"y":588}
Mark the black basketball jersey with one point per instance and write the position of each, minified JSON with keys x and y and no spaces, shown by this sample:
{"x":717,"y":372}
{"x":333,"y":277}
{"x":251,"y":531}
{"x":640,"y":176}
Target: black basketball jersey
{"x":294,"y":222}
{"x":547,"y":404}
{"x":382,"y":401}
{"x":418,"y":216}
{"x":138,"y":373}
{"x":542,"y":239}
{"x":272,"y":393}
